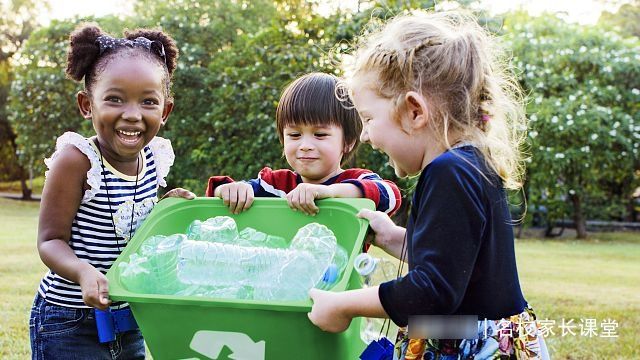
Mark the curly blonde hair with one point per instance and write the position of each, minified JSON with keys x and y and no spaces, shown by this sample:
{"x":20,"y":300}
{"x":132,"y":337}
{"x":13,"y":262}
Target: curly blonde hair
{"x":462,"y":73}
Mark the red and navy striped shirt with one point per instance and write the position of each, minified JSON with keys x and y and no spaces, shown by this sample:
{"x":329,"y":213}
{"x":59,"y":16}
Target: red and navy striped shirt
{"x":278,"y":183}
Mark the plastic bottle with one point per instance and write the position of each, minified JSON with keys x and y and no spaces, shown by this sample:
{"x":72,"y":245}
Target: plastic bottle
{"x":265,"y":273}
{"x":133,"y":273}
{"x":219,"y":264}
{"x":221,"y":229}
{"x":154,"y":268}
{"x":317,"y":239}
{"x":252,"y":237}
{"x":373,"y":271}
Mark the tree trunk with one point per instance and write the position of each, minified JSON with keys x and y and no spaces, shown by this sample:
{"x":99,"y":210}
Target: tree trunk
{"x":578,"y":217}
{"x":26,"y":192}
{"x":631,"y":211}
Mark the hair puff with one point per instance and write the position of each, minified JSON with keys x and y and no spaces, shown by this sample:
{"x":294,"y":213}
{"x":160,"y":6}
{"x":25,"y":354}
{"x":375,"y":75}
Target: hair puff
{"x":83,"y":50}
{"x":170,"y":48}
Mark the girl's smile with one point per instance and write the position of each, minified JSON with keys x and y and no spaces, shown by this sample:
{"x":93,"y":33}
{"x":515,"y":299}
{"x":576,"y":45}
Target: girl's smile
{"x":403,"y":135}
{"x":383,"y":132}
{"x":127,"y":107}
{"x":129,"y":137}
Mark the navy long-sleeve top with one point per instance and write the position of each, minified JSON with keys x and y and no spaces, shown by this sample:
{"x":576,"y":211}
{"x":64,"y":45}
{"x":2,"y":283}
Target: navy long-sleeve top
{"x":460,"y":245}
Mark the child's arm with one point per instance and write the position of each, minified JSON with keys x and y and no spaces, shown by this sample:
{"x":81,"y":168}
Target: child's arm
{"x":60,"y":201}
{"x":333,"y":311}
{"x":384,"y":193}
{"x":214,"y":182}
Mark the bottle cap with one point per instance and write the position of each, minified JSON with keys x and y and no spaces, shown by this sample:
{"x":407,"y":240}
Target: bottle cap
{"x":364,"y":264}
{"x":330,"y":275}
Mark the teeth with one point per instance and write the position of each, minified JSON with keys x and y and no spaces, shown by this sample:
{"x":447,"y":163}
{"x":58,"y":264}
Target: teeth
{"x":129,"y":133}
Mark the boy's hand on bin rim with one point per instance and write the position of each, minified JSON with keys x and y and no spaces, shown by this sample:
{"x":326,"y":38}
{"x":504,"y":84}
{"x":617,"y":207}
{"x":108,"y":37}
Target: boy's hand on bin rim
{"x":181,"y":193}
{"x":303,"y":197}
{"x":326,"y":312}
{"x":95,"y":288}
{"x":238,"y":196}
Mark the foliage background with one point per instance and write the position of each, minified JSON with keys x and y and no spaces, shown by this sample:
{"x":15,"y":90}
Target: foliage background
{"x":582,"y":82}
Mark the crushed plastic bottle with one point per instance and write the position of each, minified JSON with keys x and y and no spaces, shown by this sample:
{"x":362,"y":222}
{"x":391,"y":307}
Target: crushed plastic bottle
{"x":214,"y":260}
{"x":318,"y":239}
{"x":134,"y":273}
{"x":222,"y":229}
{"x":265,"y":273}
{"x":268,"y":273}
{"x":154,"y":268}
{"x":252,"y":237}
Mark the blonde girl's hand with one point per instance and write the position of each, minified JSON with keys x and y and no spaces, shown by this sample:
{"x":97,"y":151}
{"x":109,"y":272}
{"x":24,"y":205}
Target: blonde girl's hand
{"x":95,"y":288}
{"x":388,"y":236}
{"x":181,"y":193}
{"x":303,"y":197}
{"x":326,"y":311}
{"x":238,"y":196}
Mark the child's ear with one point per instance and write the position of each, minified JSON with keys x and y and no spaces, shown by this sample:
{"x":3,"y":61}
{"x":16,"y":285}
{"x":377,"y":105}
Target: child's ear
{"x":166,"y":111}
{"x":348,"y":148}
{"x":84,"y":104}
{"x":416,"y":108}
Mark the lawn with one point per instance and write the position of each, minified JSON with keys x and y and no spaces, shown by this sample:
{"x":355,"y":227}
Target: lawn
{"x":595,"y":280}
{"x":20,"y":271}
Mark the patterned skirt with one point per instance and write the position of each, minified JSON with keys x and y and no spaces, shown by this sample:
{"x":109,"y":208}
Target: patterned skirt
{"x":514,"y":338}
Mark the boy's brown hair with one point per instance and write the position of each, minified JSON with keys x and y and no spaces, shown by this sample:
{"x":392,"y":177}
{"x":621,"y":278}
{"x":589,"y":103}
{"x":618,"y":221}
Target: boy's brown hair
{"x":313,"y":99}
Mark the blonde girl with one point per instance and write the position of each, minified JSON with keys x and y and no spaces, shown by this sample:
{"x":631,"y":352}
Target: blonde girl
{"x":434,"y":96}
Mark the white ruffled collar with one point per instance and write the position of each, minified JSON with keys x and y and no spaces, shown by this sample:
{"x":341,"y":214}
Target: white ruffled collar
{"x":161,"y":148}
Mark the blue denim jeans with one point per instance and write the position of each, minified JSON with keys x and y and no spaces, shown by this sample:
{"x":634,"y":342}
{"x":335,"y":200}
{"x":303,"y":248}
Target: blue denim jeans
{"x":59,"y":332}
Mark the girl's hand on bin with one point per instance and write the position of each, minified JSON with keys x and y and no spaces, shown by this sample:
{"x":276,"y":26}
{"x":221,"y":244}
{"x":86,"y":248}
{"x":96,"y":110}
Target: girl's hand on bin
{"x":303,"y":197}
{"x":388,"y":235}
{"x":238,"y":196}
{"x":326,"y":312}
{"x":181,"y":193}
{"x":95,"y":288}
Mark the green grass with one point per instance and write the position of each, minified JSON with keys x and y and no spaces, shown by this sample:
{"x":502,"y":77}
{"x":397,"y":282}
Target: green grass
{"x":561,"y":279}
{"x":584,"y":280}
{"x":20,"y":272}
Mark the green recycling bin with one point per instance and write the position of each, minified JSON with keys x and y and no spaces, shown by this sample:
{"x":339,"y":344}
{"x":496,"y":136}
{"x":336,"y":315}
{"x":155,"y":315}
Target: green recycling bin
{"x":183,"y":327}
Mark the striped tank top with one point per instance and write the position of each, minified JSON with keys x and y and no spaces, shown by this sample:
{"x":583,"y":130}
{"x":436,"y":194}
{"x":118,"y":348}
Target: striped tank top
{"x":101,"y":227}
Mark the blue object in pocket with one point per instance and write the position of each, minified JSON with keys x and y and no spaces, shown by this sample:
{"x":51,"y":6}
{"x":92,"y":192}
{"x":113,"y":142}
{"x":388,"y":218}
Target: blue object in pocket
{"x":110,"y":323}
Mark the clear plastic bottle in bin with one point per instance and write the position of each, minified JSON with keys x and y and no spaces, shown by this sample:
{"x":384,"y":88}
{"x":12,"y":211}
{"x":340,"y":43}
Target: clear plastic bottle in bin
{"x":221,"y":229}
{"x":153,"y":269}
{"x":252,"y":237}
{"x":220,"y":264}
{"x":374,"y":271}
{"x":266,"y":273}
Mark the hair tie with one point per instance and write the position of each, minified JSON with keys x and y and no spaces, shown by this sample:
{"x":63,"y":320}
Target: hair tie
{"x":107,"y":43}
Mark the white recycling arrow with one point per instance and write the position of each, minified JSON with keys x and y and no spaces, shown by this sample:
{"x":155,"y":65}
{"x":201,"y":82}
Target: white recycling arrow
{"x":210,"y":344}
